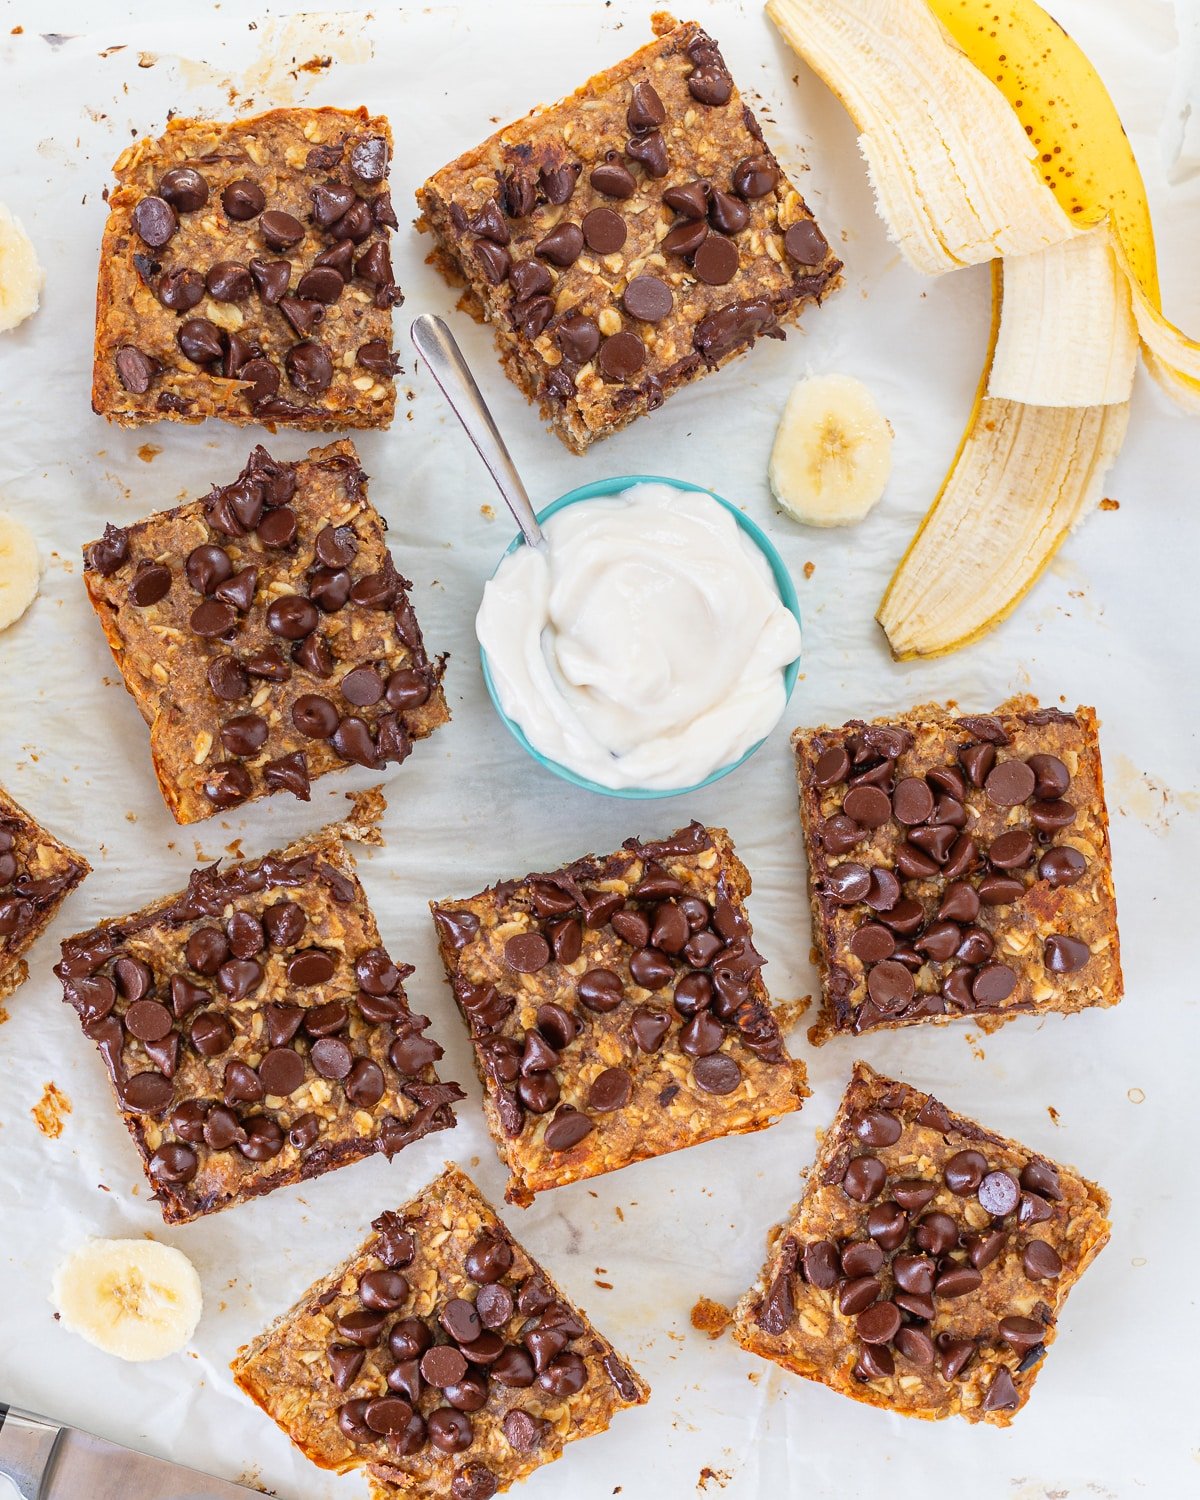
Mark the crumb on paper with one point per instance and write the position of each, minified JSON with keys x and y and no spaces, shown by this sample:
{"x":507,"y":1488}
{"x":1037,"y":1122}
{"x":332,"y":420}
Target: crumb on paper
{"x":788,"y":1012}
{"x":1054,"y":1115}
{"x":1136,"y":1096}
{"x":48,"y":1112}
{"x":1107,"y":504}
{"x":148,"y":452}
{"x":972,"y":1040}
{"x":710,"y":1317}
{"x":605,"y":1286}
{"x":488,"y":512}
{"x":809,"y":569}
{"x":719,"y":1477}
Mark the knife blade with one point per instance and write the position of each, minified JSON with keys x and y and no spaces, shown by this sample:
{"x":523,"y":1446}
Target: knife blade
{"x":45,"y":1461}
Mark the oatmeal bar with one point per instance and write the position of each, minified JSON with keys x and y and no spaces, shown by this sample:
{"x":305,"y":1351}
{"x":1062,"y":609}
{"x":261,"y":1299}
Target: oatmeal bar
{"x":925,"y":1267}
{"x":245,"y":273}
{"x":265,"y":634}
{"x":629,"y":239}
{"x":440,"y":1356}
{"x":617,"y":1009}
{"x":254,"y":1028}
{"x":958,"y":865}
{"x":37,"y":874}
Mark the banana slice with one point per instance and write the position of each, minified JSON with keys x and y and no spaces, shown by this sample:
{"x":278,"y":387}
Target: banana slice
{"x":20,"y":275}
{"x":833,"y":452}
{"x":137,"y":1299}
{"x":19,"y":569}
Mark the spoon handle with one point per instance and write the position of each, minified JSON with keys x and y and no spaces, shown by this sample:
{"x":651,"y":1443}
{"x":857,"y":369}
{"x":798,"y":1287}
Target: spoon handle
{"x":437,"y":347}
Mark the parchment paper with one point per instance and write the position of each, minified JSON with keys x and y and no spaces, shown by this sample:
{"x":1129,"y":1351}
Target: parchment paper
{"x":1113,"y":623}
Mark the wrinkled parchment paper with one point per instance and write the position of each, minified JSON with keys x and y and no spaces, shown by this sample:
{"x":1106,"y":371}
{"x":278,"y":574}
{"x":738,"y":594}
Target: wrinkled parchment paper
{"x":1112,"y":623}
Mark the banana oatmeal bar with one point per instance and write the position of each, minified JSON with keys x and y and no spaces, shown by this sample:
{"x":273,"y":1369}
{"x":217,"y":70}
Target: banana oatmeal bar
{"x":440,"y":1357}
{"x":628,"y":239}
{"x":959,"y":864}
{"x":37,"y":874}
{"x":926,"y":1266}
{"x":255,"y":1031}
{"x":245,"y":273}
{"x":617,"y":1009}
{"x":265,"y":634}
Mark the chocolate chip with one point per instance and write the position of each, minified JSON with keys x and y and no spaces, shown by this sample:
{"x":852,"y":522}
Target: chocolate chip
{"x":309,"y":367}
{"x":912,"y":801}
{"x":279,"y":229}
{"x":940,"y":941}
{"x":964,"y":1171}
{"x":527,"y":952}
{"x":1062,"y":865}
{"x":716,"y":261}
{"x":977,"y":761}
{"x":155,"y":221}
{"x":832,"y":766}
{"x":1042,"y":1178}
{"x":1012,"y":850}
{"x":890,"y":985}
{"x":200,"y":341}
{"x":993,"y":984}
{"x":566,"y":1129}
{"x":613,"y":178}
{"x":621,"y":356}
{"x":174,"y":1163}
{"x":558,"y":183}
{"x":1049,"y":817}
{"x":998,"y":1194}
{"x":848,"y":883}
{"x":228,"y":281}
{"x":868,"y":806}
{"x":578,"y":336}
{"x":685,"y":238}
{"x":872,"y":942}
{"x":878,"y":1324}
{"x":135,"y":370}
{"x":460,"y":1320}
{"x":1041,"y":1261}
{"x":936,"y":1233}
{"x":213,"y":619}
{"x":563,"y":245}
{"x":958,"y":1281}
{"x":876,"y":1127}
{"x":1064,"y":955}
{"x":321,"y":284}
{"x":1051,"y":777}
{"x":1022,"y":1333}
{"x":649,"y":1028}
{"x":728,"y":214}
{"x":651,"y":151}
{"x":604,"y":231}
{"x":369,"y":159}
{"x":244,"y":734}
{"x":710,"y":85}
{"x":1000,"y":890}
{"x":150,"y":583}
{"x":689,"y":199}
{"x":243,"y":199}
{"x":1009,"y":783}
{"x":805,"y":243}
{"x":645,"y":110}
{"x":755,"y":177}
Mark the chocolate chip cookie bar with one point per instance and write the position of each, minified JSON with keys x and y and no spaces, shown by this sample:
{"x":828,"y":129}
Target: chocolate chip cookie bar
{"x":255,"y":1031}
{"x":926,"y":1266}
{"x":245,"y":273}
{"x":265,"y":634}
{"x":629,"y":239}
{"x":37,"y":874}
{"x":440,"y":1357}
{"x":959,"y":864}
{"x":617,"y":1009}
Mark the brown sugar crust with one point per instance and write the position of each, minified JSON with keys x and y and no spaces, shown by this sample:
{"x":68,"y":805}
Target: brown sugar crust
{"x":197,"y":1042}
{"x":970,"y":1358}
{"x":37,"y":874}
{"x":1018,"y":929}
{"x":141,"y":372}
{"x":363,"y":620}
{"x":546,"y":347}
{"x":651,"y":1046}
{"x":287,"y":1370}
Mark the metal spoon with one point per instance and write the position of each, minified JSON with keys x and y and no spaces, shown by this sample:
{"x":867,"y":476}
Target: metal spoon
{"x":437,"y":347}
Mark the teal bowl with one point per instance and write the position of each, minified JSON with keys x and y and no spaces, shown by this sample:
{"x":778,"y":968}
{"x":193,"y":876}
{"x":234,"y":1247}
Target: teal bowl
{"x":783,"y":582}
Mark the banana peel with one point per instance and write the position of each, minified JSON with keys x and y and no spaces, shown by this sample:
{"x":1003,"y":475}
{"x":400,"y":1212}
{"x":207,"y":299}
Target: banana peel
{"x":989,"y":136}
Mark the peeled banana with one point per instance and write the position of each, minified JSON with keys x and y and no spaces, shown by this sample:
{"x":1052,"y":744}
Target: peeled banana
{"x":989,"y":136}
{"x":20,"y":273}
{"x":19,"y":569}
{"x":137,"y":1299}
{"x":833,"y":452}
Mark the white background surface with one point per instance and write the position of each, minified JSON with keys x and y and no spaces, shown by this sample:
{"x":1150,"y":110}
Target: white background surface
{"x":1113,"y":623}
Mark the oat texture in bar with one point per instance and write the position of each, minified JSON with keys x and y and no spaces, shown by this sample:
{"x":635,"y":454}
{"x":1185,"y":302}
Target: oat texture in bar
{"x":959,"y":864}
{"x":628,"y":239}
{"x":265,"y":634}
{"x":245,"y":273}
{"x":254,"y":1028}
{"x":926,"y":1267}
{"x":37,"y":874}
{"x":440,"y":1357}
{"x":617,"y":1009}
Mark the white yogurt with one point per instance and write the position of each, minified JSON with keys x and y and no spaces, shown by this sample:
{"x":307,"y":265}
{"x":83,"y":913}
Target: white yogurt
{"x":645,"y":645}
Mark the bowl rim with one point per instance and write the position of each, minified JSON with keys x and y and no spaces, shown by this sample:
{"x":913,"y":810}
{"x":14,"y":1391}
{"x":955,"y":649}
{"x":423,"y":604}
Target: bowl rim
{"x":783,"y":582}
